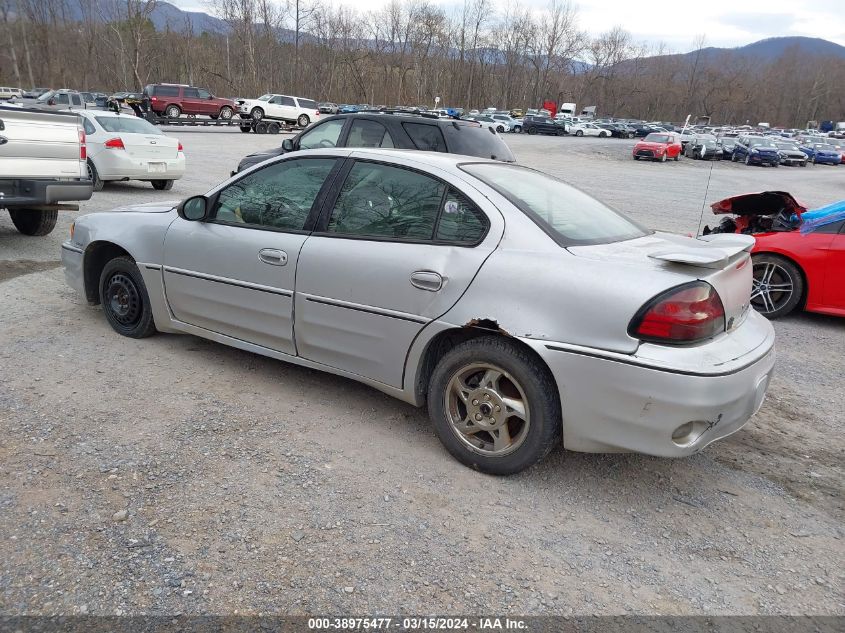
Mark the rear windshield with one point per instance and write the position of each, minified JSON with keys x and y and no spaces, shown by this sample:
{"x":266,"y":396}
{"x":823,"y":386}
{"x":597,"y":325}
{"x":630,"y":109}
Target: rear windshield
{"x":471,"y":140}
{"x":568,"y":215}
{"x":127,"y":124}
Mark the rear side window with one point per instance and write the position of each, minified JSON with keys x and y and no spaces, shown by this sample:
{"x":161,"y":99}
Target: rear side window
{"x":364,"y":133}
{"x":77,"y":100}
{"x":308,"y":104}
{"x":88,"y":126}
{"x":460,"y":221}
{"x":382,"y":201}
{"x":426,"y":137}
{"x":165,"y":91}
{"x":472,"y":140}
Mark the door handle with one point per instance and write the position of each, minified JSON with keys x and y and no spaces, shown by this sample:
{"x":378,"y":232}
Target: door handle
{"x":426,"y":280}
{"x":273,"y":256}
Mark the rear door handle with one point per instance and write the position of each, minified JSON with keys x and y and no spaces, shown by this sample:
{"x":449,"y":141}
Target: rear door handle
{"x":273,"y":256}
{"x":426,"y":280}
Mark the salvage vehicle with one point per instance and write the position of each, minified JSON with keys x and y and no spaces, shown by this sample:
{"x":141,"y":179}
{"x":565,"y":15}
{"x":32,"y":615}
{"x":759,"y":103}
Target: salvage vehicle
{"x":55,"y":100}
{"x":822,"y":153}
{"x":658,"y":146}
{"x":799,"y":255}
{"x":297,"y":110}
{"x":791,"y":154}
{"x":394,"y":130}
{"x":489,"y":122}
{"x":42,"y":166}
{"x":588,"y":129}
{"x":174,"y":100}
{"x":380,"y":265}
{"x":756,"y":150}
{"x":703,"y":147}
{"x":125,"y":147}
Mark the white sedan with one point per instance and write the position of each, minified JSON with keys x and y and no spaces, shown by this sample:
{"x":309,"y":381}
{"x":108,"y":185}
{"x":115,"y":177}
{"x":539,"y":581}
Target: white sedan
{"x":125,"y":147}
{"x":490,"y":122}
{"x":588,"y":129}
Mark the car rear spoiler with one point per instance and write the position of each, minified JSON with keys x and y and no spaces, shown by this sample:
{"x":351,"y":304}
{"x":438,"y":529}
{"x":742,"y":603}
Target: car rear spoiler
{"x":717,"y":250}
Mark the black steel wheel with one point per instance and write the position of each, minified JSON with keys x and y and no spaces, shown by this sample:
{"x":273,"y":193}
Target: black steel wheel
{"x":124,"y":298}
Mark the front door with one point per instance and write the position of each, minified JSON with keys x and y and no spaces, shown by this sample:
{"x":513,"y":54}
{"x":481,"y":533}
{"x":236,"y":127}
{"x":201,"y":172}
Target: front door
{"x":235,"y":273}
{"x":834,"y":283}
{"x":394,"y":250}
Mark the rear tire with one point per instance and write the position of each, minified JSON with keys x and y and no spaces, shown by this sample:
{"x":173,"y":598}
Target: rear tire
{"x":778,"y":285}
{"x":515,"y":380}
{"x":579,"y":132}
{"x":261,"y":127}
{"x":532,"y":131}
{"x":125,"y":300}
{"x":173,"y":112}
{"x":94,"y":176}
{"x":303,"y":120}
{"x":34,"y":223}
{"x":162,"y":185}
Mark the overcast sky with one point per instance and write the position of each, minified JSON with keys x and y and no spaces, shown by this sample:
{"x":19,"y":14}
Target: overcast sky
{"x":678,"y":22}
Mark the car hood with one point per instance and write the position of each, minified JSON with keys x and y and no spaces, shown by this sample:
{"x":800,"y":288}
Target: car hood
{"x":763,"y":203}
{"x":150,"y":207}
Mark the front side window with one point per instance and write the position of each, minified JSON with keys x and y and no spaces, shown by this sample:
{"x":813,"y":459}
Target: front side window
{"x":203,"y":94}
{"x":364,"y":133}
{"x":426,"y":137}
{"x":568,"y":215}
{"x":286,"y":101}
{"x":382,"y":201}
{"x":323,"y":135}
{"x":280,"y":196}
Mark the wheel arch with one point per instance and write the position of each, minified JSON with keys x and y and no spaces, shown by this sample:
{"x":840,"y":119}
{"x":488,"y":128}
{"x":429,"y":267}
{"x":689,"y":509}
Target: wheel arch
{"x":443,"y":341}
{"x":97,"y":255}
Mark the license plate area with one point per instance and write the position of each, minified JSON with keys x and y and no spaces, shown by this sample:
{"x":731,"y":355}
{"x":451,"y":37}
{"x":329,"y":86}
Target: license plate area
{"x":156,"y":168}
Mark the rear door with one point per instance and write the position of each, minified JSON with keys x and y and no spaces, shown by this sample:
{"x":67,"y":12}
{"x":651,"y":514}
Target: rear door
{"x":235,"y":273}
{"x":394,"y":249}
{"x":287,"y":108}
{"x":834,"y":283}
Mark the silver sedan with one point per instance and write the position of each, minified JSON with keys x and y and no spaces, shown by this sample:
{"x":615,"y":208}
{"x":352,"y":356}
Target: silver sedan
{"x":521,"y":310}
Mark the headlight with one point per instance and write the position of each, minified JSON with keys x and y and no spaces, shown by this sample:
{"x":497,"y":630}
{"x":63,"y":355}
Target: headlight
{"x":755,"y":151}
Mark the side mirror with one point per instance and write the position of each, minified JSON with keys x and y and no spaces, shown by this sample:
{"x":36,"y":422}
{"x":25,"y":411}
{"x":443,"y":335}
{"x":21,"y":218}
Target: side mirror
{"x":194,"y":209}
{"x":210,"y":97}
{"x":288,"y":145}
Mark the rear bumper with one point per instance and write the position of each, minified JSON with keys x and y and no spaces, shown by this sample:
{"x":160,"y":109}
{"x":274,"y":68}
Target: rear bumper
{"x":119,"y":165}
{"x":627,"y":403}
{"x":26,"y":192}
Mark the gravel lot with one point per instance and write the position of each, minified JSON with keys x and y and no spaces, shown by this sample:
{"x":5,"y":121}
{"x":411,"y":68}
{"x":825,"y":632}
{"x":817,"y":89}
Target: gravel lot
{"x":175,"y":475}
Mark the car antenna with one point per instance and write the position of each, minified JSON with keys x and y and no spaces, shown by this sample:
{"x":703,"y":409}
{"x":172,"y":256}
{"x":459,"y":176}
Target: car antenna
{"x":704,"y":201}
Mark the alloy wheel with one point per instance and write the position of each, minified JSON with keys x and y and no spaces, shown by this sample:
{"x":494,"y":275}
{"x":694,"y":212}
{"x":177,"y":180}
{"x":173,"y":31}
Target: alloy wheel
{"x":772,"y":287}
{"x":487,"y":409}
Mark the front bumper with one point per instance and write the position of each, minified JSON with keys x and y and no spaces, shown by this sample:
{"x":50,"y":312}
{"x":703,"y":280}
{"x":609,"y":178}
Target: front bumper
{"x":72,"y":260}
{"x":763,"y":159}
{"x":623,"y":403}
{"x":793,"y":160}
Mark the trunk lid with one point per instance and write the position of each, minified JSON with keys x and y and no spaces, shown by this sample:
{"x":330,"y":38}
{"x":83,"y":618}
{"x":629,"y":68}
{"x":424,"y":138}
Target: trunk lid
{"x":722,"y":260}
{"x":145,"y":146}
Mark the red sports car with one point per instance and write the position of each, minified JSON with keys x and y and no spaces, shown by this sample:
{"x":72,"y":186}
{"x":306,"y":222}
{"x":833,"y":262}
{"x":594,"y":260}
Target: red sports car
{"x":799,"y":258}
{"x":659,"y":146}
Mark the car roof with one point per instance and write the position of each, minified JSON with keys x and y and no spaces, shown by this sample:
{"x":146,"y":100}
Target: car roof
{"x":441,"y":160}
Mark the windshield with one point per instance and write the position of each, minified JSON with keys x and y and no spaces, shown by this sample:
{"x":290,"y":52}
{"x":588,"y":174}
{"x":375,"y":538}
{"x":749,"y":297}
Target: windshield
{"x":47,"y":95}
{"x":265,"y":97}
{"x":568,"y":215}
{"x":657,"y":138}
{"x":127,"y":124}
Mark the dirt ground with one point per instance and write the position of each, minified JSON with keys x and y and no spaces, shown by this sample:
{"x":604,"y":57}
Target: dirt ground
{"x":175,"y":475}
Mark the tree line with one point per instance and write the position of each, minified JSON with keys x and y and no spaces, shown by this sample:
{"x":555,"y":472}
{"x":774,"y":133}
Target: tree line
{"x":406,"y":53}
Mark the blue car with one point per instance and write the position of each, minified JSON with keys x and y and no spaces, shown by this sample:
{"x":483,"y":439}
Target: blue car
{"x":347,"y":109}
{"x":756,"y":150}
{"x":822,"y":153}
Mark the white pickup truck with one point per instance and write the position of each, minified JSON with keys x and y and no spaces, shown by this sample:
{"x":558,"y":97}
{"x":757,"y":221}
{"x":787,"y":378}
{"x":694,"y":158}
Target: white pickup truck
{"x":42,"y":166}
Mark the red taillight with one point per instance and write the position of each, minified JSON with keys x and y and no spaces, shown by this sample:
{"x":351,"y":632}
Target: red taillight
{"x":180,"y":147}
{"x":114,"y":143}
{"x":684,"y":314}
{"x":317,"y":113}
{"x":83,"y":148}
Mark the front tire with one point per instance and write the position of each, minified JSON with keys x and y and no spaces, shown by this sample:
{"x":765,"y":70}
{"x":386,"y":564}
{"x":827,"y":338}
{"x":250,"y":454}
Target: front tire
{"x":34,"y":223}
{"x":226,"y":113}
{"x":257,"y":114}
{"x":124,"y":298}
{"x":303,"y":120}
{"x":663,"y":158}
{"x":778,"y":285}
{"x":579,"y":133}
{"x":532,"y":131}
{"x":748,"y":159}
{"x":494,"y":405}
{"x":602,"y":135}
